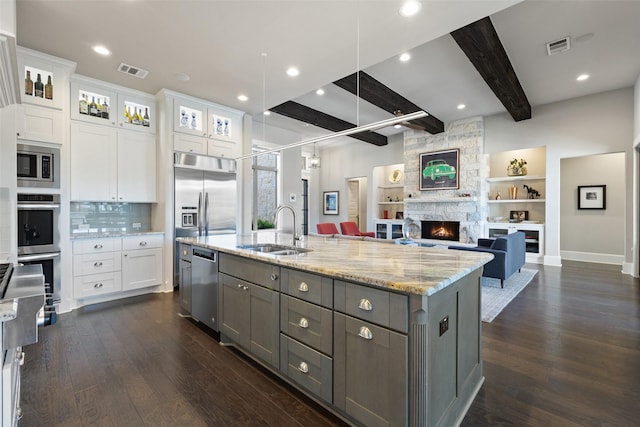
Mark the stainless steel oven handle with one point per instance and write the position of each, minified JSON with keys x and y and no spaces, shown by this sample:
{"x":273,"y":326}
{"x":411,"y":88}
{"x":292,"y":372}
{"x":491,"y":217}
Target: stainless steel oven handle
{"x":38,"y":257}
{"x":39,"y":206}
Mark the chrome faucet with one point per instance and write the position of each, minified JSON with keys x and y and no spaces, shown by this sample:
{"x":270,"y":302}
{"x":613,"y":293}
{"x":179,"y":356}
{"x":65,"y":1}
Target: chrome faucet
{"x":293,"y":212}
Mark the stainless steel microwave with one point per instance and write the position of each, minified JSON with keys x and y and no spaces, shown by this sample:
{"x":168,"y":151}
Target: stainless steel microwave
{"x":38,"y":166}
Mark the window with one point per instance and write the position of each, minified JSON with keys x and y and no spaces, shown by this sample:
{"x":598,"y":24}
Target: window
{"x":265,"y":189}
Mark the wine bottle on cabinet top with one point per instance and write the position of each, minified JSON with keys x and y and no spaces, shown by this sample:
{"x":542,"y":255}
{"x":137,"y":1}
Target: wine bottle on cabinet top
{"x":105,"y":109}
{"x":93,"y":107}
{"x":145,"y":119}
{"x":99,"y":109}
{"x":39,"y":86}
{"x":136,"y":117}
{"x":28,"y":84}
{"x":48,"y":89}
{"x":84,"y":106}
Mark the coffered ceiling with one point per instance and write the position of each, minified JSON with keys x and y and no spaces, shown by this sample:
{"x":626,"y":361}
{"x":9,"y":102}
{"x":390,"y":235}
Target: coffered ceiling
{"x":220,"y":46}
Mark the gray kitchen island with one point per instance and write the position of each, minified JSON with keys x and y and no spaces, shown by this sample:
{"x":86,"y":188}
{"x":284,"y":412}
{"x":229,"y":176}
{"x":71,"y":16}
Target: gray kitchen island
{"x":380,"y":334}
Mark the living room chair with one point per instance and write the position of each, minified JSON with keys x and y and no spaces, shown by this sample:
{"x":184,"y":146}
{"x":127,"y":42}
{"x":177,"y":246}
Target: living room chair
{"x":350,"y":228}
{"x":509,"y":254}
{"x":327,"y":228}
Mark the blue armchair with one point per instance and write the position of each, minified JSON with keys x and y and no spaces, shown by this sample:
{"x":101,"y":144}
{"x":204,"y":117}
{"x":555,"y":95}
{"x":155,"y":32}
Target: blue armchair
{"x":509,"y":255}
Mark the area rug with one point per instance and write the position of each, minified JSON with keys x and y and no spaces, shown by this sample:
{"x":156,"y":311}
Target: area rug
{"x":495,"y":298}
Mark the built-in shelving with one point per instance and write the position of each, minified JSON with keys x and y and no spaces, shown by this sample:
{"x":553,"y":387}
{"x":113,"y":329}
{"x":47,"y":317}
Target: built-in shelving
{"x":444,"y":200}
{"x":517,"y":201}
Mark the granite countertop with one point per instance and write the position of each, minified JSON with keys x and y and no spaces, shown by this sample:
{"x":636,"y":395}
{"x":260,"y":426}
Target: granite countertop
{"x":403,"y":268}
{"x":104,"y":234}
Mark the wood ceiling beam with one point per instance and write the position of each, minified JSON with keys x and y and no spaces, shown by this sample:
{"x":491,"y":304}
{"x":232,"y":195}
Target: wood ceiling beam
{"x":317,"y":118}
{"x":480,"y":42}
{"x":380,"y":95}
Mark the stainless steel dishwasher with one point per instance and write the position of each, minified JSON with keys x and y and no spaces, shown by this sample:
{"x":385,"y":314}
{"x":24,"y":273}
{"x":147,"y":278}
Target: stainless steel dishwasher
{"x":204,"y":287}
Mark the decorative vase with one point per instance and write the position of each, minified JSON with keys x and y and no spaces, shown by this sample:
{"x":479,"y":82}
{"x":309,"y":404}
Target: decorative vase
{"x":513,"y":192}
{"x":515,"y":171}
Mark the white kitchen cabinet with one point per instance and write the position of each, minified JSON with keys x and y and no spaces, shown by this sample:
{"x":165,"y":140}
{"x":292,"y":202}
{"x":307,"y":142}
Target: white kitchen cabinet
{"x":388,"y":228}
{"x":206,"y":129}
{"x":126,"y":108}
{"x":141,"y":261}
{"x":109,"y":164}
{"x":47,"y":67}
{"x":39,"y":124}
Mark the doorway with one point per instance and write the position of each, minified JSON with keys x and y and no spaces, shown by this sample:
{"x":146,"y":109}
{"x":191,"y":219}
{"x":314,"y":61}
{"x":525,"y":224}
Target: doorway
{"x":357,"y":201}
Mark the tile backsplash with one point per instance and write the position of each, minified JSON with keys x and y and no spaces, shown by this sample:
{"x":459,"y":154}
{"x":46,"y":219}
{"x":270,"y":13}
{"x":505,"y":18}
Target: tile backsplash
{"x":101,"y":217}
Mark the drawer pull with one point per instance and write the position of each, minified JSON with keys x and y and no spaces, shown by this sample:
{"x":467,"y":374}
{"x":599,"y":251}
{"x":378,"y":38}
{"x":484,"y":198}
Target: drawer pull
{"x":246,"y":288}
{"x":365,"y":305}
{"x":274,"y":276}
{"x":303,"y":287}
{"x":303,"y":367}
{"x":303,"y":323}
{"x":143,"y":243}
{"x":98,"y":285}
{"x":97,"y":264}
{"x":240,"y":285}
{"x":97,"y":246}
{"x":365,"y":333}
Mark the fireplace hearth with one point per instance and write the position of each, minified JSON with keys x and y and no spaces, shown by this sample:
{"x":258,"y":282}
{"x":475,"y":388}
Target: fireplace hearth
{"x":441,"y":230}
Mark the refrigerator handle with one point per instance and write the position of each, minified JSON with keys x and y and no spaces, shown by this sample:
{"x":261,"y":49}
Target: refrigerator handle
{"x":200,"y":214}
{"x":206,"y":213}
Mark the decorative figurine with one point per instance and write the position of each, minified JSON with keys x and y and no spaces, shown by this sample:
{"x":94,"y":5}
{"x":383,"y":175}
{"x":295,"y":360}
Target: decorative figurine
{"x":532,"y":193}
{"x":498,"y":196}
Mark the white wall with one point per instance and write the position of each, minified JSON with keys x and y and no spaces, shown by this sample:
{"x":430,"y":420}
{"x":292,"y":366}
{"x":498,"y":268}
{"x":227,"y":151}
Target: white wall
{"x":595,"y":124}
{"x":349,"y":159}
{"x":593,"y":235}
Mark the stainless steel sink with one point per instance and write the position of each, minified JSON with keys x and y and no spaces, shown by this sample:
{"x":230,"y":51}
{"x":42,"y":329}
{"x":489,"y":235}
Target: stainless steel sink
{"x":273,"y":249}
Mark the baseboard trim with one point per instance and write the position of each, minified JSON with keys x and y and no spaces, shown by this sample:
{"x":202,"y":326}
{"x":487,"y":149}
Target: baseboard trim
{"x":628,"y":268}
{"x":592,"y":257}
{"x":552,"y":260}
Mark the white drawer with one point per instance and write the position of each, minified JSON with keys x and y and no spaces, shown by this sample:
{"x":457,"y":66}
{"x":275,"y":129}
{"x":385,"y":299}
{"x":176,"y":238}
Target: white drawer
{"x":96,"y":284}
{"x":84,"y":264}
{"x":143,"y":241}
{"x":89,"y":246}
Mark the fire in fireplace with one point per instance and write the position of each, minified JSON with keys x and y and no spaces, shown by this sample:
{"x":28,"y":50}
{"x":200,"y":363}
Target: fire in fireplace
{"x":441,"y":230}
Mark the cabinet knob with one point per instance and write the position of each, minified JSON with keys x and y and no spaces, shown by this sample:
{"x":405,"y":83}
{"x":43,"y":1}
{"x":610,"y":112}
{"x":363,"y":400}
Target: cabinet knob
{"x":365,"y":333}
{"x":97,"y":264}
{"x":303,"y":287}
{"x":246,"y":288}
{"x":274,"y":276}
{"x":303,"y":367}
{"x":365,"y":305}
{"x":303,"y":323}
{"x":240,"y":285}
{"x":18,"y":133}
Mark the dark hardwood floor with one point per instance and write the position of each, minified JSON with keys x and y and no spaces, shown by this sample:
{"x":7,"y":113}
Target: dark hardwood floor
{"x":565,"y":352}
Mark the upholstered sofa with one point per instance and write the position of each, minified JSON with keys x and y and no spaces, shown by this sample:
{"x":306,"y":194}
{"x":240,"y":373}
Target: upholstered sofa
{"x":509,"y":255}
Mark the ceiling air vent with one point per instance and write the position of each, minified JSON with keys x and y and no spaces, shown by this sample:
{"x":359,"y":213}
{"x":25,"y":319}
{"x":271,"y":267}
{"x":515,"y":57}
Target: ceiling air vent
{"x":132,"y":71}
{"x":558,"y":46}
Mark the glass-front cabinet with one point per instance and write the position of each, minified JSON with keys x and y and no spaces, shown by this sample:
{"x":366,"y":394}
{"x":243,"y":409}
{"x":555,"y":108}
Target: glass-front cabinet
{"x":103,"y":105}
{"x":388,"y":229}
{"x":44,"y":78}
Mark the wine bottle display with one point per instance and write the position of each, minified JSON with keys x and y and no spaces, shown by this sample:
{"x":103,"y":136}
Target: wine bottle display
{"x":39,"y":86}
{"x":48,"y":89}
{"x":84,"y":106}
{"x":105,"y":109}
{"x":93,"y":107}
{"x":28,"y":84}
{"x":145,"y":119}
{"x":136,"y":117}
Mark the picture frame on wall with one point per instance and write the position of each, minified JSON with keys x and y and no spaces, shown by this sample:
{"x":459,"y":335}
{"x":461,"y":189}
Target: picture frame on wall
{"x":330,"y":203}
{"x":592,"y":197}
{"x":439,"y":170}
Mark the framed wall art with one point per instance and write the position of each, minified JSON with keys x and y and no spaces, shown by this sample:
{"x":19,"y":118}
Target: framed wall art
{"x":330,"y":199}
{"x":439,"y":170}
{"x":592,"y":197}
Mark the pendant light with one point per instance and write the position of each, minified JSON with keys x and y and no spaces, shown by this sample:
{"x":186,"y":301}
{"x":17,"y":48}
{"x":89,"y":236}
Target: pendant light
{"x":314,"y":161}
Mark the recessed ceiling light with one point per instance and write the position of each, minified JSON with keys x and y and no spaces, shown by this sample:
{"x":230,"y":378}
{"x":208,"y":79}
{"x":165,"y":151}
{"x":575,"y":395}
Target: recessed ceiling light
{"x":405,"y":57}
{"x":320,"y":91}
{"x":292,"y":71}
{"x":582,"y":77}
{"x":398,"y":126}
{"x":102,"y":50}
{"x":267,"y":113}
{"x":410,"y":8}
{"x":243,"y":98}
{"x":461,"y":106}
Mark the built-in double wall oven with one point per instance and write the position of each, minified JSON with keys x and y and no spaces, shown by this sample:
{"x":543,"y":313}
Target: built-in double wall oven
{"x":39,"y":243}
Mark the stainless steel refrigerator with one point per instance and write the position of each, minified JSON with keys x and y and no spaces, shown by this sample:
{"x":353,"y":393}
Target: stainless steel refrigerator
{"x":205,"y":194}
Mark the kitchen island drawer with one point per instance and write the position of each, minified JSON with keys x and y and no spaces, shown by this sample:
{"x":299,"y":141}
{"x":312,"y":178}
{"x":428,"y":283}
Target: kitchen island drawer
{"x":96,"y":263}
{"x":260,"y":273}
{"x":89,"y":246}
{"x":308,"y":323}
{"x":308,"y":286}
{"x":307,"y":367}
{"x":96,"y":284}
{"x":377,"y":306}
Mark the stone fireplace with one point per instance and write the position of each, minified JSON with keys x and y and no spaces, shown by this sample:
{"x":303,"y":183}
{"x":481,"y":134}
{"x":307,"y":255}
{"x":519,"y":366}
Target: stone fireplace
{"x":466,"y":205}
{"x":440,"y":230}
